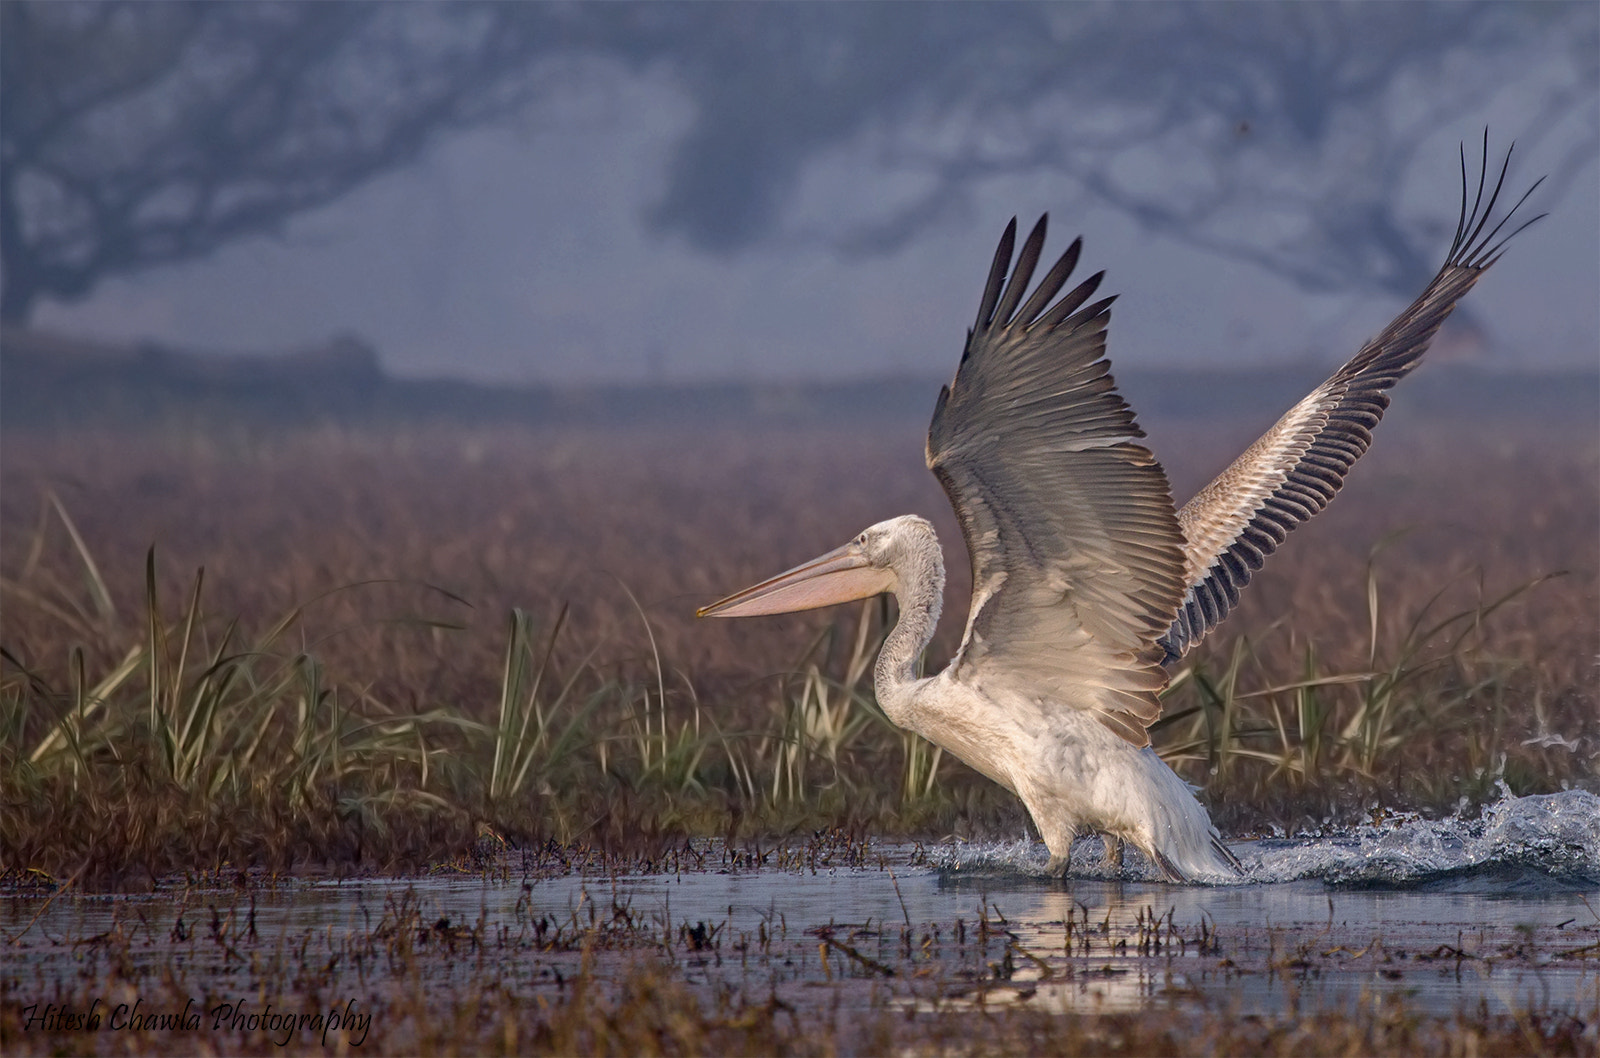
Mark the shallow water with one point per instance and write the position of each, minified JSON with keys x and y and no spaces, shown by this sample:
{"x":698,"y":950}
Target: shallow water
{"x":1501,"y":911}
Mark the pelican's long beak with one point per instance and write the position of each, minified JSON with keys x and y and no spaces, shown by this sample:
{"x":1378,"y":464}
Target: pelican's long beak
{"x":842,"y":575}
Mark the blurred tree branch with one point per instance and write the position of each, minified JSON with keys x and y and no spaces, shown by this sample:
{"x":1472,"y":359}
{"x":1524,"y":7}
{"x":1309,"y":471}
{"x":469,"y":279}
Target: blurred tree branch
{"x":1296,"y":131}
{"x":140,"y":134}
{"x":1284,"y":135}
{"x":135,"y":134}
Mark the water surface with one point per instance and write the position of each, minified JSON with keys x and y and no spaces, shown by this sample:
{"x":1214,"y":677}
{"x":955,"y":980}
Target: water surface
{"x":1499,"y":912}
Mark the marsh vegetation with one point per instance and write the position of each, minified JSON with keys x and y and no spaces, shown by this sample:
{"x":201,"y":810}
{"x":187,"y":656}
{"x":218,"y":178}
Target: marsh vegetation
{"x":375,"y":649}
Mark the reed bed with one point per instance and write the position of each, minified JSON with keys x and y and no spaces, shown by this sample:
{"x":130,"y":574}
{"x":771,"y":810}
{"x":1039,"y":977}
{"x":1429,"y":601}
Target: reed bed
{"x":378,"y":649}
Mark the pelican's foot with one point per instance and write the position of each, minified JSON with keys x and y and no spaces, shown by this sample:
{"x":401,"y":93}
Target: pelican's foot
{"x":1057,"y":867}
{"x":1113,"y":844}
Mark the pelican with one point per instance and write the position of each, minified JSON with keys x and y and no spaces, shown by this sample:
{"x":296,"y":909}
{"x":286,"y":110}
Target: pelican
{"x":1087,"y":581}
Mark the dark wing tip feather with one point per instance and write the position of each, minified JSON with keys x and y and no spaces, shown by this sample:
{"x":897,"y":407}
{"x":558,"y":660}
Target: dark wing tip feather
{"x":1471,"y":247}
{"x":1051,"y":284}
{"x":1494,"y":196}
{"x":1483,"y":173}
{"x":997,"y":275}
{"x":1487,"y":253}
{"x":1070,"y":304}
{"x":1494,"y":255}
{"x":1001,"y":295}
{"x":1461,"y":220}
{"x":1022,"y":272}
{"x":1084,"y":315}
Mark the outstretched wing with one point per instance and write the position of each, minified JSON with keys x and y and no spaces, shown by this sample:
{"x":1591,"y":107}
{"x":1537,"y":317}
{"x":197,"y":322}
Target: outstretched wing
{"x":1294,"y":469}
{"x":1077,"y":560}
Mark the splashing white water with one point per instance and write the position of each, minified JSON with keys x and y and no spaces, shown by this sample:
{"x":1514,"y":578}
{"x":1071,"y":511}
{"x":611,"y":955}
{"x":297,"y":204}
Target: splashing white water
{"x":1557,"y":835}
{"x":1547,"y":836}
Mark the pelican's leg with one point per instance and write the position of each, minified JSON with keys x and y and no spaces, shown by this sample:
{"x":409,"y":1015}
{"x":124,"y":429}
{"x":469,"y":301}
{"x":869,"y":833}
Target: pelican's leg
{"x":1113,"y":844}
{"x":1059,"y":841}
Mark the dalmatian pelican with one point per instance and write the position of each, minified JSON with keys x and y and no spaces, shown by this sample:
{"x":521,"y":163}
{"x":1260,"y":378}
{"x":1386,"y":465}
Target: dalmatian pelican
{"x":1087,"y":581}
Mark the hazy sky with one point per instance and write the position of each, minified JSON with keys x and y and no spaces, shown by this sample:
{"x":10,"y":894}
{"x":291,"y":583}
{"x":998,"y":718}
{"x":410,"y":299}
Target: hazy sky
{"x":581,"y":242}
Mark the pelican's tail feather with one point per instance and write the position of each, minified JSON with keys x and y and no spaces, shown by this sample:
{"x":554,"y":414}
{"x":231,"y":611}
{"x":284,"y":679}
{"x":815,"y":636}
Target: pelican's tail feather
{"x":1179,"y":836}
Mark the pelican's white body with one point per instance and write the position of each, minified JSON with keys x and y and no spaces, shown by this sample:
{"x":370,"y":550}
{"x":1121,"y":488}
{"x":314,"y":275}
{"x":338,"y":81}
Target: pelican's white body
{"x":1072,"y":772}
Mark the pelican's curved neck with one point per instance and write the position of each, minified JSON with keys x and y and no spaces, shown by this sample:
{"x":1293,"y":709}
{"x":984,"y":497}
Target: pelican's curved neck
{"x":918,"y":566}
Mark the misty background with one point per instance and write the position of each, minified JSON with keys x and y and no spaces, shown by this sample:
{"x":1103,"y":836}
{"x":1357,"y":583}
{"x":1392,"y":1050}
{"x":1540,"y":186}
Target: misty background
{"x":535,"y":193}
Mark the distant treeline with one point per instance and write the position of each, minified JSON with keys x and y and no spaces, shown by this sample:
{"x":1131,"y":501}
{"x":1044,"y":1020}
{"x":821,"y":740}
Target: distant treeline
{"x":52,"y":382}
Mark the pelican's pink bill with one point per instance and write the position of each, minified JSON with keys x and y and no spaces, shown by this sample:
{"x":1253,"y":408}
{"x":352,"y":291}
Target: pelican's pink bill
{"x":842,"y":575}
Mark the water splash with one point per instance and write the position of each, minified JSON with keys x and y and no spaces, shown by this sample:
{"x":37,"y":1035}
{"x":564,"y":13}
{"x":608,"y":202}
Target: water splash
{"x":1519,"y":840}
{"x":1539,"y":842}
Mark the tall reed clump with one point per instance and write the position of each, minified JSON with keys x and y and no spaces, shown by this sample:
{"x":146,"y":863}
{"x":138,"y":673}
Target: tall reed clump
{"x":199,"y":748}
{"x":578,"y":752}
{"x":534,"y":734}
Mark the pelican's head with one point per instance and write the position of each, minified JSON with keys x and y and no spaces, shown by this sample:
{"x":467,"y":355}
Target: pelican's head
{"x":860,"y":569}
